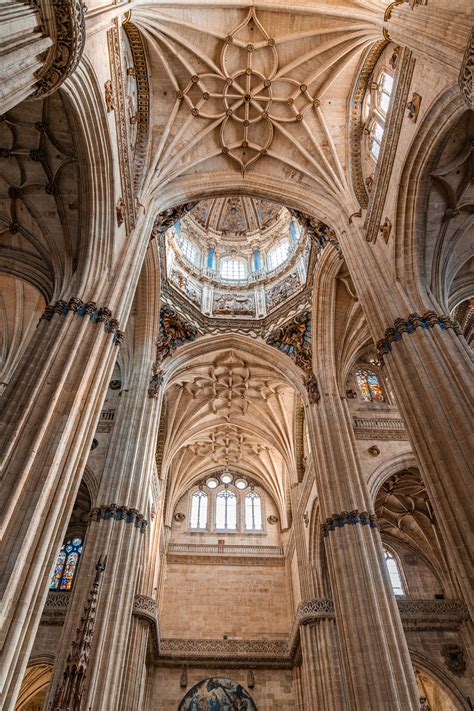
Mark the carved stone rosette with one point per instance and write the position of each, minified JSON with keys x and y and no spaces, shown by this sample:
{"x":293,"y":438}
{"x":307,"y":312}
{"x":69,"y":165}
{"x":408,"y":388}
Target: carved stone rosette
{"x":64,"y":19}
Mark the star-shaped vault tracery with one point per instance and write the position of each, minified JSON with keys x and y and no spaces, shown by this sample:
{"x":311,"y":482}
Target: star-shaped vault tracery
{"x":249,"y":93}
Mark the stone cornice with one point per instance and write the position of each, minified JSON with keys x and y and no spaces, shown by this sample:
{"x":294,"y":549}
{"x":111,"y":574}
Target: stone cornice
{"x":389,"y":146}
{"x":379,"y":428}
{"x":64,"y":21}
{"x":86,"y":309}
{"x":428,"y":320}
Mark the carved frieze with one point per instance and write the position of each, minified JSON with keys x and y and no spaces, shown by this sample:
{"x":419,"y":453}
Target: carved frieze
{"x":467,"y":72}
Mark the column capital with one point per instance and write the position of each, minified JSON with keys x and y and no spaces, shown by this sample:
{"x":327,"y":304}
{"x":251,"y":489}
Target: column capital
{"x":349,"y":518}
{"x":117,"y":512}
{"x":87,"y":309}
{"x":428,"y":320}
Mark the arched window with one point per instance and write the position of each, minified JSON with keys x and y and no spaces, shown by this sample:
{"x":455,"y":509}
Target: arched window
{"x":66,"y":565}
{"x":199,"y":510}
{"x":394,"y":572}
{"x":369,"y":385}
{"x":376,"y":109}
{"x":226,"y":510}
{"x":233,"y":269}
{"x":188,"y":250}
{"x":253,"y":512}
{"x":278,"y":255}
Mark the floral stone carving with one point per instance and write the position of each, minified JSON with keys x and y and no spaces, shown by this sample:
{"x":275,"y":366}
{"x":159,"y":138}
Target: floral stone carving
{"x":454,"y":659}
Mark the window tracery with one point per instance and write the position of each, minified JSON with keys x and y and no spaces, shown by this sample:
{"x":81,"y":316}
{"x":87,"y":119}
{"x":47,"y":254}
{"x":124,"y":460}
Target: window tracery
{"x":394,"y":572}
{"x":66,"y":564}
{"x":199,"y":507}
{"x":253,"y":512}
{"x":369,"y":385}
{"x":226,"y":502}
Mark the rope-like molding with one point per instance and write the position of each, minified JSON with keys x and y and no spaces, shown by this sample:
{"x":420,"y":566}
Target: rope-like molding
{"x":68,"y":32}
{"x":350,"y":518}
{"x":428,"y":320}
{"x":116,"y":512}
{"x":88,"y":309}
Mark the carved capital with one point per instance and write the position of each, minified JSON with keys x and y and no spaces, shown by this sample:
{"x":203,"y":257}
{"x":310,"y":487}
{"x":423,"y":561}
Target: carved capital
{"x":64,"y":20}
{"x":348,"y":518}
{"x":428,"y":320}
{"x":116,"y":512}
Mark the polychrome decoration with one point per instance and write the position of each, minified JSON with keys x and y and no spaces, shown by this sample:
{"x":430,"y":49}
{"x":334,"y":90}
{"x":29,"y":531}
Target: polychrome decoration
{"x":217,"y":694}
{"x":294,"y":339}
{"x":66,"y":565}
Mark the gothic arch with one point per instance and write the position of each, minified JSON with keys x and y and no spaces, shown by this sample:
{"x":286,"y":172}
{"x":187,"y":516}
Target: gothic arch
{"x":415,"y":183}
{"x":446,"y":681}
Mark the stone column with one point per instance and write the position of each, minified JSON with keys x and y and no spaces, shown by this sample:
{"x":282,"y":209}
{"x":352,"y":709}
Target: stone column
{"x":41,"y":45}
{"x":47,"y":419}
{"x":321,"y":679}
{"x":376,"y":662}
{"x":429,"y":364}
{"x":117,"y":530}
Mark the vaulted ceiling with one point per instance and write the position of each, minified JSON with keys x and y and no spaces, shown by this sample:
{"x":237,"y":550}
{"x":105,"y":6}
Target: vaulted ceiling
{"x":255,"y":91}
{"x":229,"y":409}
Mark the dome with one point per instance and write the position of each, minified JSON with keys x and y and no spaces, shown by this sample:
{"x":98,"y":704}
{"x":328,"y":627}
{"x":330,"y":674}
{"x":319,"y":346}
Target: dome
{"x":237,"y":256}
{"x":237,"y":215}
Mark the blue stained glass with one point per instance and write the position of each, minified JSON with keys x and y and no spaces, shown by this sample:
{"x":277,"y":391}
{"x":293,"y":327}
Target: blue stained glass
{"x":66,"y":565}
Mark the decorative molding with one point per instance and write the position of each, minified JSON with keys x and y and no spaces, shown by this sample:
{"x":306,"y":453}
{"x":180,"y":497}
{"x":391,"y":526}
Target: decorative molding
{"x":119,"y":513}
{"x":55,"y":608}
{"x":467,"y":72}
{"x":357,"y":123}
{"x":428,"y":320}
{"x":381,"y":429}
{"x":143,"y":94}
{"x":65,"y":18}
{"x":294,"y":339}
{"x":145,"y":608}
{"x":121,"y":124}
{"x":350,"y":518}
{"x":212,"y":549}
{"x":383,"y":171}
{"x":88,"y":309}
{"x":416,"y":614}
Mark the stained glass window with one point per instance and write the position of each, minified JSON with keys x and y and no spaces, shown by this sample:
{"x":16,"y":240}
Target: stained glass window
{"x":369,"y":385}
{"x":394,"y":572}
{"x":226,"y":510}
{"x":66,"y":565}
{"x":253,"y":512}
{"x":199,"y":510}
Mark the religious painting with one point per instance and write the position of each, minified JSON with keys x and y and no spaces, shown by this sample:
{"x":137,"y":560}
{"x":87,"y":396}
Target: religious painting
{"x":217,"y":694}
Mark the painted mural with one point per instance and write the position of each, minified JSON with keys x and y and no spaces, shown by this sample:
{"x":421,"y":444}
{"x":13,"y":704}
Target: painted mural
{"x":217,"y":694}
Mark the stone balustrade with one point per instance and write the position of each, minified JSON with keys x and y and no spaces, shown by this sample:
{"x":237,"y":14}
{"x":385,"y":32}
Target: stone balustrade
{"x":211,"y":549}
